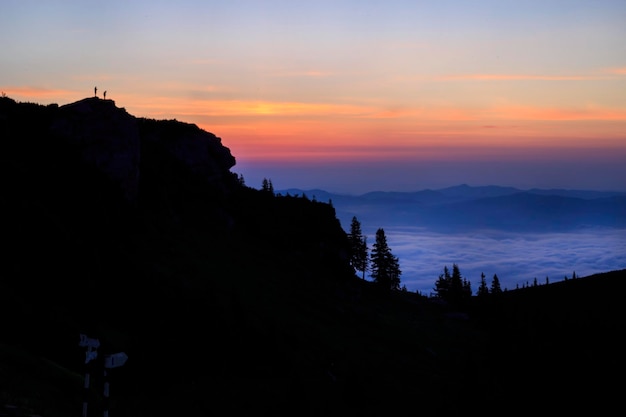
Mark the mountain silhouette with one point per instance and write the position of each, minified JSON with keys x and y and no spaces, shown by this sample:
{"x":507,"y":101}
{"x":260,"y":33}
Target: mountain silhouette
{"x":465,"y":208}
{"x":231,"y":300}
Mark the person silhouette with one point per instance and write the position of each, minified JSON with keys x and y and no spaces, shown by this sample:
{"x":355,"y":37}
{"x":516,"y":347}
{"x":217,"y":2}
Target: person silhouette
{"x":105,"y":94}
{"x":95,"y":91}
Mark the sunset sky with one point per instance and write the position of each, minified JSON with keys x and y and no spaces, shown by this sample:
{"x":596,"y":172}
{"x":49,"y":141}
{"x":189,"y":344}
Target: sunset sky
{"x":350,"y":96}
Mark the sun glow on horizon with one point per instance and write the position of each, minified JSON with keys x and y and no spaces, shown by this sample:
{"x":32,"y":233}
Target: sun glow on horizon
{"x":284,"y":130}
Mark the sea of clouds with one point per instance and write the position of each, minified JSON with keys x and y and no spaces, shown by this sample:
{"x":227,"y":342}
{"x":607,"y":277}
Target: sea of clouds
{"x":517,"y":258}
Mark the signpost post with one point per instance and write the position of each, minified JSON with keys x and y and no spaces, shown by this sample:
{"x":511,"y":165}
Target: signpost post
{"x":92,"y":353}
{"x":111,"y":361}
{"x":114,"y":360}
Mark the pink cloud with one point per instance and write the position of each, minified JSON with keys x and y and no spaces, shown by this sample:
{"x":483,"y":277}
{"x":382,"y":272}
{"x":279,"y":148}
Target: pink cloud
{"x":516,"y":77}
{"x":558,"y":114}
{"x":617,"y":71}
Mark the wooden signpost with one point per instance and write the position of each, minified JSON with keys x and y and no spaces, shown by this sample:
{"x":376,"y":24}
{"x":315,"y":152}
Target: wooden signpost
{"x":92,"y":353}
{"x":110,"y":361}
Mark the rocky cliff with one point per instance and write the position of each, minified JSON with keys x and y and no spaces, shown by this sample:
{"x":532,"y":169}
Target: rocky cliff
{"x":111,"y":140}
{"x":126,"y":211}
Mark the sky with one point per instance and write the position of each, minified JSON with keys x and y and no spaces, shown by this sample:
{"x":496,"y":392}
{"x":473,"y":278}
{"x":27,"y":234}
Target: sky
{"x":350,"y":96}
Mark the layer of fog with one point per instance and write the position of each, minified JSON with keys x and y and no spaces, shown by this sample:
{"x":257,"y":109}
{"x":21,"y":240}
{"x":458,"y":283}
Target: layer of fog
{"x":517,"y":259}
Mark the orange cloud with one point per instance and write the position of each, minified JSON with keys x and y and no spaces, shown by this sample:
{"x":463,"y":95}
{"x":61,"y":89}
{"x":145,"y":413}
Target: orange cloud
{"x":297,"y":118}
{"x":215,"y":108}
{"x":411,"y":132}
{"x":259,"y":129}
{"x":36,"y":93}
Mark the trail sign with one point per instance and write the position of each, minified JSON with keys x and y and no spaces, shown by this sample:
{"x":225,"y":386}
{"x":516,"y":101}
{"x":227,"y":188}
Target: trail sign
{"x":115,"y":360}
{"x":90,"y":355}
{"x":91,"y":345}
{"x":88,"y":342}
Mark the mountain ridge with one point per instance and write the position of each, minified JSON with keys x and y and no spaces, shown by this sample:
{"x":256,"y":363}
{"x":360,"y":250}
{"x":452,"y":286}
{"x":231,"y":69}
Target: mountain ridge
{"x":463,"y":190}
{"x":464,"y":208}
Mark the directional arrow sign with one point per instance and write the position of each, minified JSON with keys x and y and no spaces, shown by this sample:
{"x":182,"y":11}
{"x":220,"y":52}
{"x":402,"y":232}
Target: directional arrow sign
{"x":115,"y":360}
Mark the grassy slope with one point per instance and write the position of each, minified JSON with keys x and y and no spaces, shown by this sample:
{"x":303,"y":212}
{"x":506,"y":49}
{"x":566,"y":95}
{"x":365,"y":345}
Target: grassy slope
{"x":395,"y":355}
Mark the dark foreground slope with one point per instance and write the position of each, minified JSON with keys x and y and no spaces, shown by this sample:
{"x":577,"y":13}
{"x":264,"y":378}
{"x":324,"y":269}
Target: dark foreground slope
{"x":558,"y":347}
{"x":228,"y":300}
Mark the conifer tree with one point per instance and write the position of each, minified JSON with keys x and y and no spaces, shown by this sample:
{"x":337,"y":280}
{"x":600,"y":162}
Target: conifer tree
{"x":394,"y":272}
{"x":483,"y":289}
{"x":442,"y":285}
{"x":267,"y":186}
{"x":495,"y":285}
{"x":385,"y":266}
{"x":467,"y":288}
{"x":452,"y":287}
{"x":456,"y":285}
{"x":358,"y":247}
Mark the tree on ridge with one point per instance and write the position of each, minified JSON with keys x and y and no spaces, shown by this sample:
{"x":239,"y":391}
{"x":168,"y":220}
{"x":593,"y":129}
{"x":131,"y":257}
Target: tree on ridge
{"x":358,"y":247}
{"x":483,"y":289}
{"x":452,"y":287}
{"x":267,"y":186}
{"x":384,"y":265}
{"x":495,"y":285}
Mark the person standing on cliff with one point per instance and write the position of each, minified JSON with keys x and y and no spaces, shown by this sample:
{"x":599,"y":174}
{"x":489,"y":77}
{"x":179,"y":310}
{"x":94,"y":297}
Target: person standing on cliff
{"x":105,"y":94}
{"x":95,"y":91}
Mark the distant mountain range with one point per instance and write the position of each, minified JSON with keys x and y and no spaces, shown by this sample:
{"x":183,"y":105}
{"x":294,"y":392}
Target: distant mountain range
{"x":465,"y":208}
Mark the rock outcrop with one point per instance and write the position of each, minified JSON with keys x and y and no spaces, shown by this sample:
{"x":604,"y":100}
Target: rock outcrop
{"x":105,"y":136}
{"x":111,"y":140}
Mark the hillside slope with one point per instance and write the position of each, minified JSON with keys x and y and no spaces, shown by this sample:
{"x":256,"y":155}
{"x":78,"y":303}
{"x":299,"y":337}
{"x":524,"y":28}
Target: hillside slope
{"x":227,"y":300}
